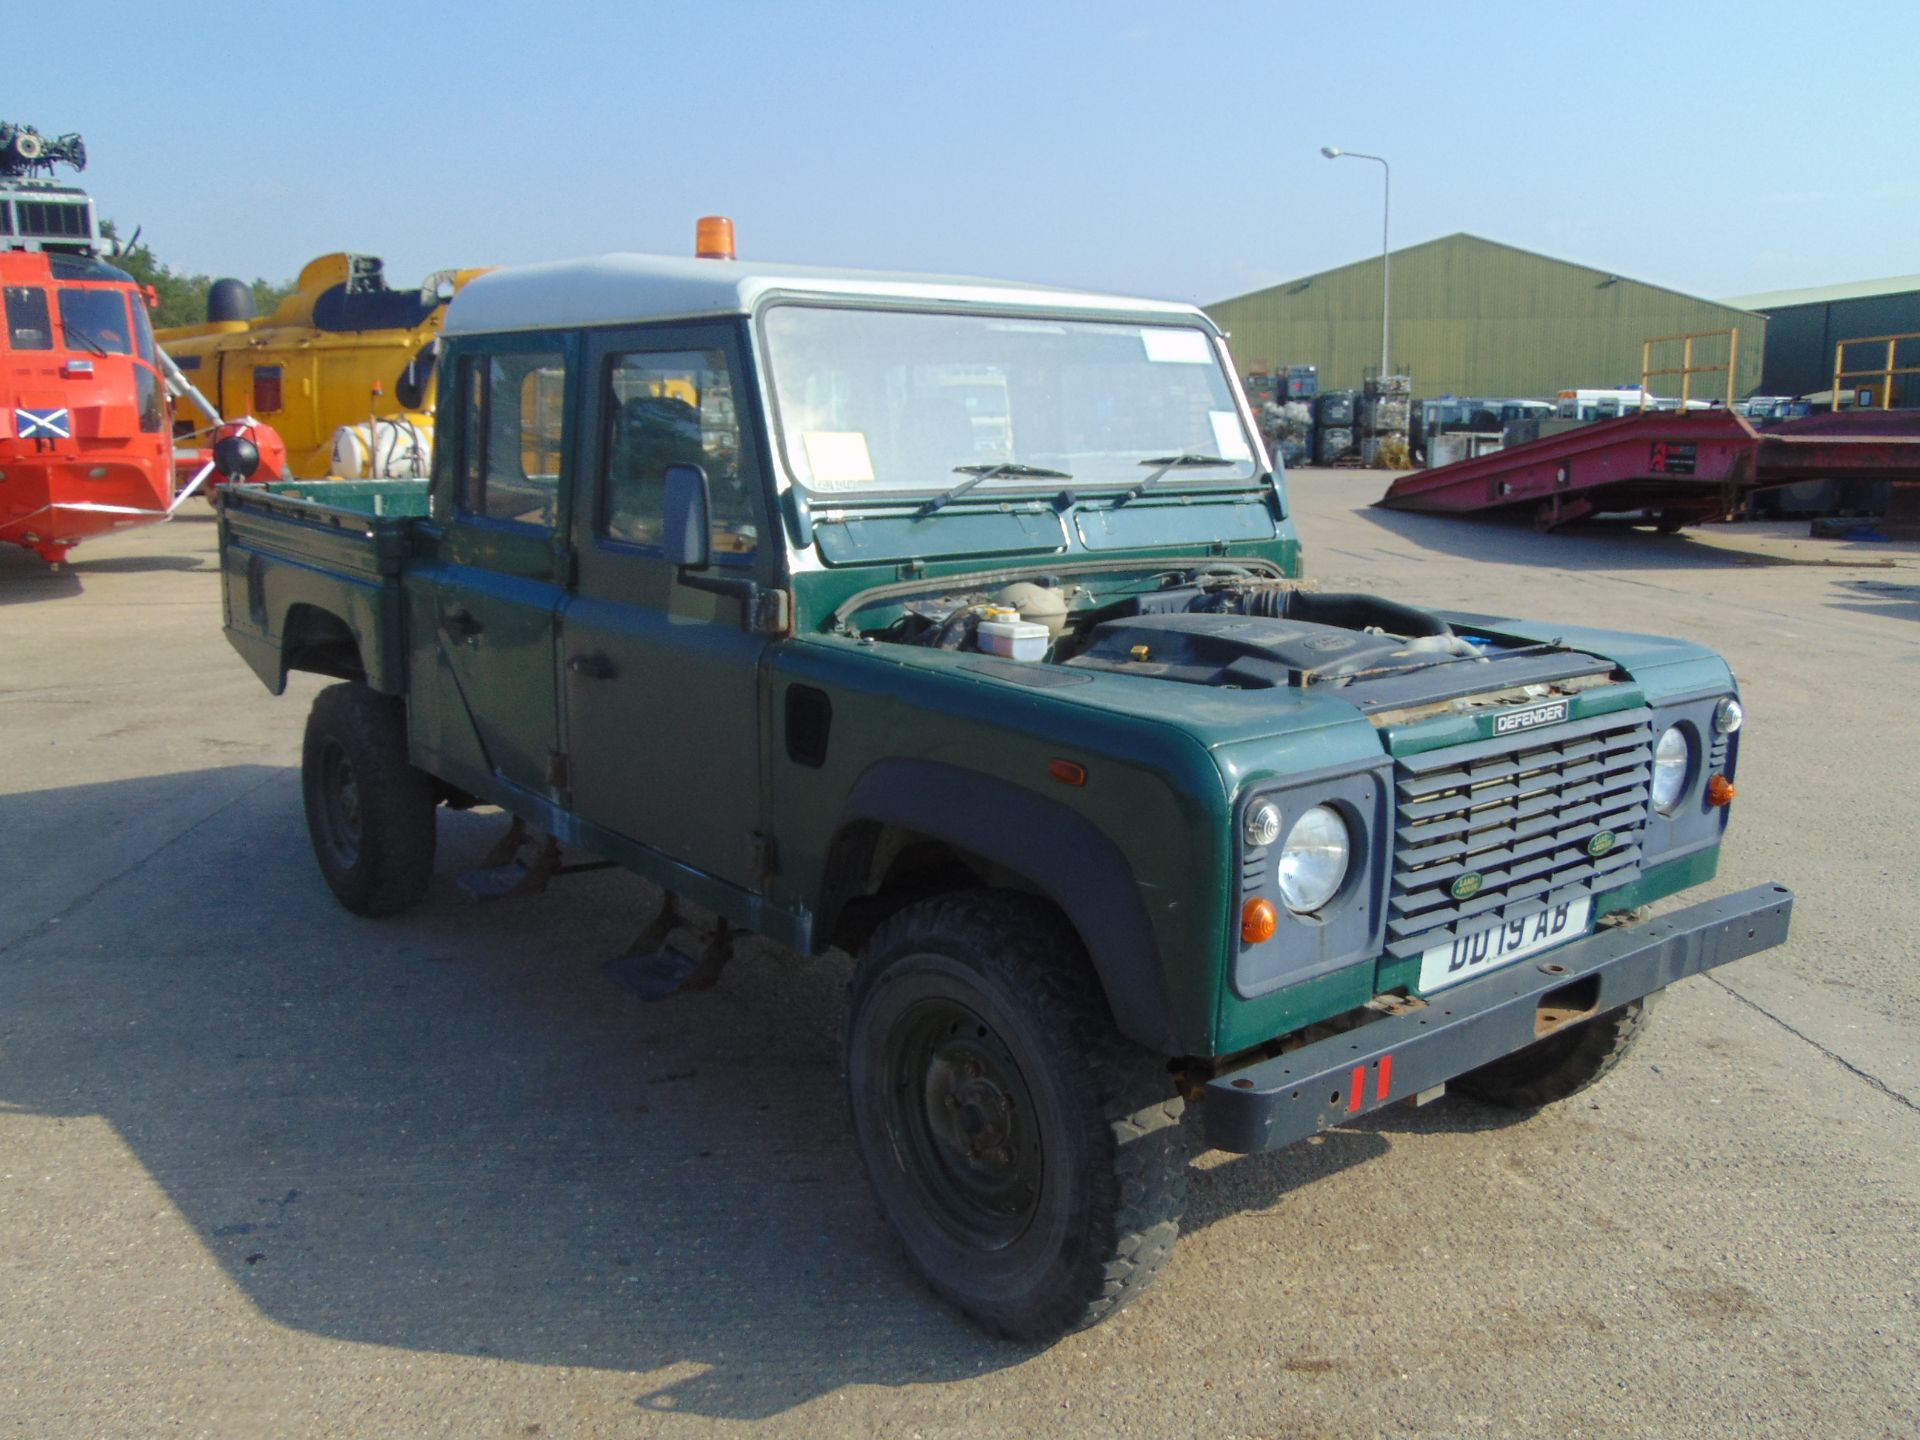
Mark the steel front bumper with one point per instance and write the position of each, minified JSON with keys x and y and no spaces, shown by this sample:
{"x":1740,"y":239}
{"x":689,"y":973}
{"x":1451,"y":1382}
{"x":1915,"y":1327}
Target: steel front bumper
{"x":1276,"y":1102}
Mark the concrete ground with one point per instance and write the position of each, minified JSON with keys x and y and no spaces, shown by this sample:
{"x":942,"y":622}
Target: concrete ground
{"x":268,"y":1169}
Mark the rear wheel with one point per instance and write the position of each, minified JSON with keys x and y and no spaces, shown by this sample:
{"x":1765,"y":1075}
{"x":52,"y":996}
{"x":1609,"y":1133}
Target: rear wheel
{"x":1563,"y":1064}
{"x":370,"y":814}
{"x":1028,"y":1156}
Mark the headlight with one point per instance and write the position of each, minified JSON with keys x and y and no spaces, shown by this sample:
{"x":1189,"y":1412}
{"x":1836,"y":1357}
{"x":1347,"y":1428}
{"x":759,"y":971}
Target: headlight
{"x":1728,"y":716}
{"x":1672,"y":762}
{"x":1314,"y":861}
{"x":1263,"y":824}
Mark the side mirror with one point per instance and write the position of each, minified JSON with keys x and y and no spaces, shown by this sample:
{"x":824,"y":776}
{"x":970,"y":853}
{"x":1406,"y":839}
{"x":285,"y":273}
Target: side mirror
{"x":687,"y":532}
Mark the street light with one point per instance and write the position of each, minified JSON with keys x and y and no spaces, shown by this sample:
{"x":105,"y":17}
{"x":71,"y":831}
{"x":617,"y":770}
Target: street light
{"x":1334,"y":152}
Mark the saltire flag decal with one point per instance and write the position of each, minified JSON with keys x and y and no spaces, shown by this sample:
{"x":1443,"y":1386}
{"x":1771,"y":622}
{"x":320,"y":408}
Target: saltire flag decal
{"x":43,"y":424}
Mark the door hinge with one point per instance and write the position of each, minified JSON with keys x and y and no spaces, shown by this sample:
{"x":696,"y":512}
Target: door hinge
{"x":766,"y":857}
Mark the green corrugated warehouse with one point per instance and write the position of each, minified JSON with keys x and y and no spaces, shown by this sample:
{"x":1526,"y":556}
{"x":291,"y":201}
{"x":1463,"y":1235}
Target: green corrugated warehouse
{"x":1475,"y":317}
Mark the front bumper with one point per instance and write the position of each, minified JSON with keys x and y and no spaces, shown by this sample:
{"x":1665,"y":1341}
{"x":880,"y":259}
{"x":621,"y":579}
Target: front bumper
{"x":1275,"y":1102}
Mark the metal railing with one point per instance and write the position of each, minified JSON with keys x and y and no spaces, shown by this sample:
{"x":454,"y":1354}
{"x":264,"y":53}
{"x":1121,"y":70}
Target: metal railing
{"x":1686,"y":369}
{"x":1885,"y":372}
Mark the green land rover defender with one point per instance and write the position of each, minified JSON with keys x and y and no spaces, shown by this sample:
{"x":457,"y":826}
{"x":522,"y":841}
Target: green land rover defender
{"x":961,"y":625}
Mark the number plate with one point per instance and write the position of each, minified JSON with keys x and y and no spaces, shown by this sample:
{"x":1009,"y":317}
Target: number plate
{"x":1452,"y":961}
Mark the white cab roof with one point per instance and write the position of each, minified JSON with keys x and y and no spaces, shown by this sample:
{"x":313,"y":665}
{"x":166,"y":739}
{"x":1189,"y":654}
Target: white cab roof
{"x":630,"y":289}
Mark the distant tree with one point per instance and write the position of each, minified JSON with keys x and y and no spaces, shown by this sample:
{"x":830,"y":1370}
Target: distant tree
{"x":183,"y":298}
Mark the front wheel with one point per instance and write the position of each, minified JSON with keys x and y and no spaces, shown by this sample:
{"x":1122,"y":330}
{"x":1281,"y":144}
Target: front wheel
{"x":370,"y":814}
{"x":1563,"y":1064}
{"x":1028,"y":1155}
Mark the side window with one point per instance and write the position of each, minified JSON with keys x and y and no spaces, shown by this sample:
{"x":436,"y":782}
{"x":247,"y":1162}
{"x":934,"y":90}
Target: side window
{"x":28,"y":325}
{"x":510,"y":452}
{"x":667,"y":408}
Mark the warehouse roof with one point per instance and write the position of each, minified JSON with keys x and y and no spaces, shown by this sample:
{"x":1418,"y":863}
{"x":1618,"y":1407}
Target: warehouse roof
{"x":1607,"y":277}
{"x":1827,"y":294}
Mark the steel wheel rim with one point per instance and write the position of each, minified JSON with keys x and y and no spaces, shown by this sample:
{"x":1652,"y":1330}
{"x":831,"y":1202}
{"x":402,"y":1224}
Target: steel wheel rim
{"x":962,"y":1123}
{"x":340,"y":813}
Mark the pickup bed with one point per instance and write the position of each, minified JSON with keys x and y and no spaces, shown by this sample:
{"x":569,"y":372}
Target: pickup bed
{"x":313,"y":567}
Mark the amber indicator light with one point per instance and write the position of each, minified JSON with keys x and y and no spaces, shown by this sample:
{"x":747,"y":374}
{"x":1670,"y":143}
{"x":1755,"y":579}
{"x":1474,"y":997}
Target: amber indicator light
{"x":1719,"y":791}
{"x":1067,"y":772}
{"x":713,"y":238}
{"x":1258,"y":921}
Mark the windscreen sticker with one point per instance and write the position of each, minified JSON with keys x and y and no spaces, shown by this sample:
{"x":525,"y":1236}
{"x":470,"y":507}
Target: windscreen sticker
{"x":1176,"y":347}
{"x":838,"y":459}
{"x":1229,"y":440}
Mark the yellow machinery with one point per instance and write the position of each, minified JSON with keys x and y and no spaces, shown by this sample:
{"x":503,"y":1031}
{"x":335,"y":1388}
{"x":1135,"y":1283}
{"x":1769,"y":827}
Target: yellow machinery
{"x":343,"y":350}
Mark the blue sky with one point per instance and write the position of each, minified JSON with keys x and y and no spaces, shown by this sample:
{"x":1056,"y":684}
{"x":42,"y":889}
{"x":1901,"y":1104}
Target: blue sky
{"x":1713,"y":148}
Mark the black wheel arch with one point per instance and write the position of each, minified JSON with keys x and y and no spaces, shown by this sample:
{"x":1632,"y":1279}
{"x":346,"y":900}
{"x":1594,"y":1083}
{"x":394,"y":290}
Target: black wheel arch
{"x":951,"y":825}
{"x":319,"y":641}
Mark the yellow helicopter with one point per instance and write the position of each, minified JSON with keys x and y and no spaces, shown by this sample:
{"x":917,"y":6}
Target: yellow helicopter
{"x":344,"y":368}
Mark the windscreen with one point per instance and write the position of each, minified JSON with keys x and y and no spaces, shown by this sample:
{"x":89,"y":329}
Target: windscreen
{"x":879,"y":400}
{"x":95,"y":320}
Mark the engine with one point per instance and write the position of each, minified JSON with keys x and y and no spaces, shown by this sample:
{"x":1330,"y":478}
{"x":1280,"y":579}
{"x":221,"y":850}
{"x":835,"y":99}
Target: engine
{"x":1239,"y":630}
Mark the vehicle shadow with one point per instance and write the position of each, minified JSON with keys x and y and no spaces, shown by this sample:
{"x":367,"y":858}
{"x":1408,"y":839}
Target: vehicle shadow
{"x":1503,"y":539}
{"x":450,"y":1132}
{"x":1882,"y":597}
{"x":25,"y":578}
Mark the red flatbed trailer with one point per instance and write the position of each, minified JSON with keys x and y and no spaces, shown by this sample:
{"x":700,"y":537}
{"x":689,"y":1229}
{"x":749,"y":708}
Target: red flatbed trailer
{"x":1682,"y":466}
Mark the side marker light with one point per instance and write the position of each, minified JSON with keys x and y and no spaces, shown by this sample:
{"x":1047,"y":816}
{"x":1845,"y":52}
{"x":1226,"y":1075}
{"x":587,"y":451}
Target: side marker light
{"x":1719,"y":791}
{"x":1067,"y":772}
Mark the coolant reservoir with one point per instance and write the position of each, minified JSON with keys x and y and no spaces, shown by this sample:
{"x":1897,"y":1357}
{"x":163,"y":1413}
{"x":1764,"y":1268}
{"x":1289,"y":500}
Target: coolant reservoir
{"x":1038,"y":605}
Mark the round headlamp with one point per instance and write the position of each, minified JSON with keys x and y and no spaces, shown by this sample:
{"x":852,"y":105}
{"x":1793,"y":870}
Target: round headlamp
{"x":1672,"y":768}
{"x":1728,"y":716}
{"x":1315,"y":860}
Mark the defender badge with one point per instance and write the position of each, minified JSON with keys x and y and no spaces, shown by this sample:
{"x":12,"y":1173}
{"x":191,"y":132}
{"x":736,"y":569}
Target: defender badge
{"x":1600,"y":844}
{"x":1528,"y":719}
{"x":1467,"y":886}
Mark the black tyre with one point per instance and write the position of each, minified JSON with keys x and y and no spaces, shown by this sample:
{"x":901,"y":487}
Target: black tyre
{"x":1029,"y":1157}
{"x":370,"y":813}
{"x":1563,"y":1064}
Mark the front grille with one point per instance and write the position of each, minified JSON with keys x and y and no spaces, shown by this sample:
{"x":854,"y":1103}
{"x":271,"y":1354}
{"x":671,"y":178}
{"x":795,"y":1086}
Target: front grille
{"x":1519,"y":811}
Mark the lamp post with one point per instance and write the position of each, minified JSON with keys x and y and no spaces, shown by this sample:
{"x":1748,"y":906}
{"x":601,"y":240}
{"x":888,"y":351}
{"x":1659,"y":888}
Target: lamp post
{"x":1334,"y":152}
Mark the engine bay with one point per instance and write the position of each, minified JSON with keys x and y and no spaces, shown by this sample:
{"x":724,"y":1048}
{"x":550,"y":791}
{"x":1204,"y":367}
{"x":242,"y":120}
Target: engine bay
{"x":1232,"y":628}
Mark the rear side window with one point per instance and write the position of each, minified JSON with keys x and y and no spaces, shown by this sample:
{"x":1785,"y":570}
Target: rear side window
{"x":669,"y":407}
{"x":28,"y":324}
{"x":511,"y":442}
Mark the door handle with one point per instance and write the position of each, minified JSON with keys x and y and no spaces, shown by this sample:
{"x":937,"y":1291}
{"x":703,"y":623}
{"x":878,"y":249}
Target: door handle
{"x":459,"y":625}
{"x":593,"y":665}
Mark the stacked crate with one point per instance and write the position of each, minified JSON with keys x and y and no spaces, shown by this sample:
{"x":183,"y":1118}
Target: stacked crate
{"x":1334,"y":413}
{"x":1386,"y":415}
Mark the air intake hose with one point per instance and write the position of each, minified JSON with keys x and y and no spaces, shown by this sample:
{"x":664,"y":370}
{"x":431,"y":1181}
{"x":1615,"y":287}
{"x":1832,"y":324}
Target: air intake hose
{"x":1350,"y":610}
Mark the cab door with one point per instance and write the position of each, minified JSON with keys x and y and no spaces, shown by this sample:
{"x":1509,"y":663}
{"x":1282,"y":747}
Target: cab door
{"x":495,"y":596}
{"x":663,"y":683}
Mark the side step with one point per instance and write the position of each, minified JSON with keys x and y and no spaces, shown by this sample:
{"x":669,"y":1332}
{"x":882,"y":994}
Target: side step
{"x":506,"y":871}
{"x":655,"y":970}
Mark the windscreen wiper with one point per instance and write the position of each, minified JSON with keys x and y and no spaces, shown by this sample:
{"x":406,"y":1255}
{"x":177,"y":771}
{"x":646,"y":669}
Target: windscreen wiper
{"x":996,"y":471}
{"x":73,"y":332}
{"x":1166,"y":465}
